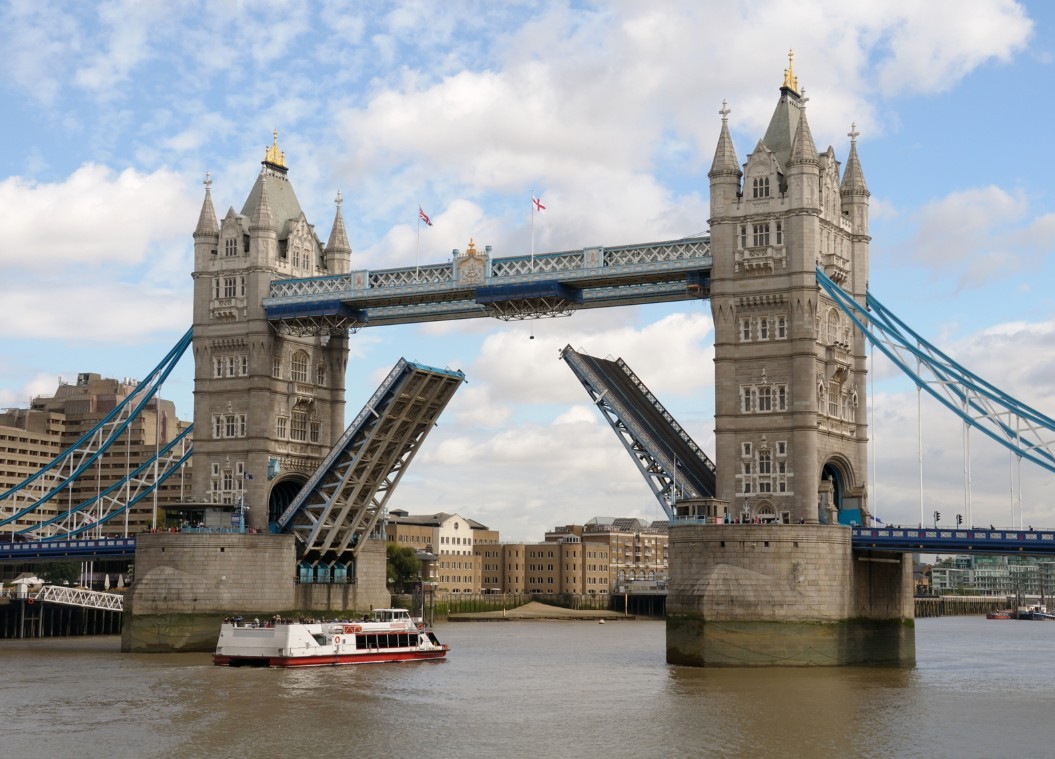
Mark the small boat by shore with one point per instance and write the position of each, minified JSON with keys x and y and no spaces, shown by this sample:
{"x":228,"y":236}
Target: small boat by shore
{"x":999,"y":614}
{"x":390,"y":636}
{"x":1036,"y":612}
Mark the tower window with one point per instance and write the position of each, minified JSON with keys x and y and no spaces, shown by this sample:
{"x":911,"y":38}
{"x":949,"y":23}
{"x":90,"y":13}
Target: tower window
{"x":230,"y":247}
{"x":782,"y":328}
{"x":759,"y":235}
{"x":299,"y":368}
{"x":745,"y":330}
{"x":780,"y":233}
{"x":298,"y":427}
{"x":760,"y":187}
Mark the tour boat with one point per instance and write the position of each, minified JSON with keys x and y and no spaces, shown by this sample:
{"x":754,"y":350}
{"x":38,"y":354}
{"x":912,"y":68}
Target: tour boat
{"x":390,"y":636}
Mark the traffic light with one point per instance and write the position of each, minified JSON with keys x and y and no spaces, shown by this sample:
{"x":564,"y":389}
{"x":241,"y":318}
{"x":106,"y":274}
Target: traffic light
{"x":959,"y":519}
{"x":937,"y":517}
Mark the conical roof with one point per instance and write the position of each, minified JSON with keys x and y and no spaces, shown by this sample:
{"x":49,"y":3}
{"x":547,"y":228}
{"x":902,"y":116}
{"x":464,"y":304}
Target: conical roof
{"x":725,"y":162}
{"x":853,"y":177}
{"x":207,"y":224}
{"x":803,"y":148}
{"x":260,"y":217}
{"x":338,"y":242}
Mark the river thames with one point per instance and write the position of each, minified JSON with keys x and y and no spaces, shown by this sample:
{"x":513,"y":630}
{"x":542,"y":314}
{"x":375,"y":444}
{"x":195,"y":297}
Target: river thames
{"x":537,"y":689}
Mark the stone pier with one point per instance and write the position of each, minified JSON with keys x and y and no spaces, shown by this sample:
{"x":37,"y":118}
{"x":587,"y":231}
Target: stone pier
{"x":186,"y":584}
{"x":785,"y":595}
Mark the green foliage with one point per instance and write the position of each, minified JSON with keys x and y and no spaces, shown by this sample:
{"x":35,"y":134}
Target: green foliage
{"x":403,"y":565}
{"x":57,"y":571}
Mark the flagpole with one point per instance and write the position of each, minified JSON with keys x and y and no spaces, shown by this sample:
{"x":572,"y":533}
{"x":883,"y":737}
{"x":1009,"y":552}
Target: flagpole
{"x":417,"y":245}
{"x":532,"y":232}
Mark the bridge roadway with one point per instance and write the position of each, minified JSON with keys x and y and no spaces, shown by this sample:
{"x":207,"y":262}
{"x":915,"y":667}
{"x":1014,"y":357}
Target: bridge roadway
{"x":66,"y":549}
{"x":475,"y":285}
{"x":891,"y":539}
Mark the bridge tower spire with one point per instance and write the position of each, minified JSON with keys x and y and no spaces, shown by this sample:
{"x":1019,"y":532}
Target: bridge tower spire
{"x":267,"y":406}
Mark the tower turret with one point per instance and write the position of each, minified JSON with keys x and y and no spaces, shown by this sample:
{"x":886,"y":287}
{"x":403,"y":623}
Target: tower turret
{"x":207,"y":233}
{"x":338,"y":250}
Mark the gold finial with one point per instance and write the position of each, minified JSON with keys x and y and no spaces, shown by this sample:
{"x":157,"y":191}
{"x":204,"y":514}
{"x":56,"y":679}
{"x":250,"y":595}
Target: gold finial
{"x":790,"y":80}
{"x":471,"y":250}
{"x":272,"y":154}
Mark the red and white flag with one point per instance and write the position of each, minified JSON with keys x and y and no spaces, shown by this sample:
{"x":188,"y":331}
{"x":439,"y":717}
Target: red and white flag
{"x":538,"y":203}
{"x":424,"y":216}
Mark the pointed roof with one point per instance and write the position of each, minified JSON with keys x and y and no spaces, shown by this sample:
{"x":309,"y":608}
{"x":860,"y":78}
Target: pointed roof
{"x":725,"y":161}
{"x":784,"y":123}
{"x":261,"y":217}
{"x":284,"y":208}
{"x":338,"y":242}
{"x":803,"y":148}
{"x":207,"y":224}
{"x":853,"y":177}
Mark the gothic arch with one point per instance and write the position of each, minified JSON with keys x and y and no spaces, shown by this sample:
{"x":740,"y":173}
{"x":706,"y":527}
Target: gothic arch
{"x":283,"y":491}
{"x":838,"y":474}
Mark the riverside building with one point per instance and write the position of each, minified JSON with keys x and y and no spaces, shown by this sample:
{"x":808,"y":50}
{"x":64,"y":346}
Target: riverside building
{"x":31,"y":438}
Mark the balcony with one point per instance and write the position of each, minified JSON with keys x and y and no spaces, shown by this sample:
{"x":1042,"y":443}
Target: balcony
{"x":761,"y":260}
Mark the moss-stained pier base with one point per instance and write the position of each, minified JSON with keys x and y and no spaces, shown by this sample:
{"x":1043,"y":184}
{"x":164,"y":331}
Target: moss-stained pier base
{"x":785,"y":595}
{"x":187,"y":583}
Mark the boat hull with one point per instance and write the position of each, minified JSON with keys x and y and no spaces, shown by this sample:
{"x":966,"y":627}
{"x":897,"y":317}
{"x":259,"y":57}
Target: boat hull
{"x":391,"y":636}
{"x":329,"y":660}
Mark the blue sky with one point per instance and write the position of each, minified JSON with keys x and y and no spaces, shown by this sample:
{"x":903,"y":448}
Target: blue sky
{"x":609,"y":112}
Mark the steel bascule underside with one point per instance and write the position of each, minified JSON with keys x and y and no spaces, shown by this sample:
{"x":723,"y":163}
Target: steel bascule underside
{"x":344,"y":501}
{"x":670,"y":461}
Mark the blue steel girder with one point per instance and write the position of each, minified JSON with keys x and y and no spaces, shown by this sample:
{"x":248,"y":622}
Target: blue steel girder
{"x":345,"y":499}
{"x":517,"y":287}
{"x":653,"y":439}
{"x":41,"y":488}
{"x":1016,"y":426}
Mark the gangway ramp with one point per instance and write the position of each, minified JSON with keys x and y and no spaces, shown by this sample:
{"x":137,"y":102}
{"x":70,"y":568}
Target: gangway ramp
{"x":86,"y":599}
{"x":669,"y":460}
{"x":344,"y":500}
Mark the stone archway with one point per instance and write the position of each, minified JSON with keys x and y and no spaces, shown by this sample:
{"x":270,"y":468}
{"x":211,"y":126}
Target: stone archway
{"x":766,"y":513}
{"x":834,"y":504}
{"x":282,"y":494}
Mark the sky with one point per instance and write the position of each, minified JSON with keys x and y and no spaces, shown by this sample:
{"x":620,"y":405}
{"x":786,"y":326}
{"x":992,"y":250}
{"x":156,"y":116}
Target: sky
{"x":115,"y":111}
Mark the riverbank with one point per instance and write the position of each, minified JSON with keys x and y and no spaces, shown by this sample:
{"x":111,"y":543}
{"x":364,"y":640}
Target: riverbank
{"x":534,"y":610}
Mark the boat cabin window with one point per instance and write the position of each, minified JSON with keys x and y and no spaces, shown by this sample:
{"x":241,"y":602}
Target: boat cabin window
{"x":391,"y":615}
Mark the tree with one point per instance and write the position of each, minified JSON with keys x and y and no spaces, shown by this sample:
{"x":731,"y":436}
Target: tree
{"x":403,"y":565}
{"x":57,"y":571}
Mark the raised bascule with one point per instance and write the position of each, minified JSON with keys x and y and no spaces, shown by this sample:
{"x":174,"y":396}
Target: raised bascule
{"x":773,"y":557}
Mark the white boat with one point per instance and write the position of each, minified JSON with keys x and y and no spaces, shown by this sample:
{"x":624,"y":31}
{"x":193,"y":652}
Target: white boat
{"x":390,"y":636}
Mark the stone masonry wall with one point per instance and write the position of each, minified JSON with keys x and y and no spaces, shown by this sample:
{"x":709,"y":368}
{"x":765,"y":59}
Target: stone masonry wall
{"x":780,"y":573}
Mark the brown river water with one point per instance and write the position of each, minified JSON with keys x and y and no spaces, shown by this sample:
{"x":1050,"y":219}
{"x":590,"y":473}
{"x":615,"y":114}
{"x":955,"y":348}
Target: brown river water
{"x":537,"y":689}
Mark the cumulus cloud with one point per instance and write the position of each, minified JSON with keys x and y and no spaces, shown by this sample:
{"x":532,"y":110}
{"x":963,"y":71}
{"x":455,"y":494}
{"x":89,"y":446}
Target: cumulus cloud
{"x":95,"y":217}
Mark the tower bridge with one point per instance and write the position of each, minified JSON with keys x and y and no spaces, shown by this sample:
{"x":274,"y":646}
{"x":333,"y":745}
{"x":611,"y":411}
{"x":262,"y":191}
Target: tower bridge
{"x":785,"y":268}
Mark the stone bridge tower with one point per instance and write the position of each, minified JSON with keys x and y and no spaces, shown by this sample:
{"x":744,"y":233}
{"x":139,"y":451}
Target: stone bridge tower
{"x":787,"y":588}
{"x":790,"y":369}
{"x":267,"y":406}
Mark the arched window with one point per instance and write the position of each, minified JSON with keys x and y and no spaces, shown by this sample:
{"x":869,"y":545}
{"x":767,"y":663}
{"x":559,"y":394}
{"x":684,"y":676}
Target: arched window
{"x":833,"y":327}
{"x":299,"y":367}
